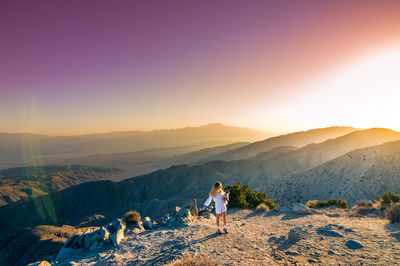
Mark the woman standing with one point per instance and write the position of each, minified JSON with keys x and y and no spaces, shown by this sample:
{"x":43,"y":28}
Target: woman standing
{"x":221,"y":199}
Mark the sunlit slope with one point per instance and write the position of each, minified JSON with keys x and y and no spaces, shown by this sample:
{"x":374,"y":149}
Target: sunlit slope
{"x":297,"y":139}
{"x":363,"y":174}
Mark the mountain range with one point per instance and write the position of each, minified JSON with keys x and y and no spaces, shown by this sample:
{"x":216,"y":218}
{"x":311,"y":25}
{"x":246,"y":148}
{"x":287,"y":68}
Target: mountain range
{"x":17,"y":150}
{"x":354,"y":165}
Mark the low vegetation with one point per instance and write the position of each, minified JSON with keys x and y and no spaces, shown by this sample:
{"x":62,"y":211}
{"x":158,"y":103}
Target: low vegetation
{"x":262,"y":208}
{"x":389,"y":198}
{"x":132,"y":217}
{"x":393,"y":213}
{"x":341,"y":203}
{"x":244,"y":196}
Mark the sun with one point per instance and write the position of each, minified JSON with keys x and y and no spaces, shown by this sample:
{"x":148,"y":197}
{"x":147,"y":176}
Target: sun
{"x":364,"y":95}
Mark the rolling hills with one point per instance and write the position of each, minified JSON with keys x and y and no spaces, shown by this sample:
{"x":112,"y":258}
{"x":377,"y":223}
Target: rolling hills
{"x":363,"y":174}
{"x":16,"y":149}
{"x":274,"y":171}
{"x":26,"y":183}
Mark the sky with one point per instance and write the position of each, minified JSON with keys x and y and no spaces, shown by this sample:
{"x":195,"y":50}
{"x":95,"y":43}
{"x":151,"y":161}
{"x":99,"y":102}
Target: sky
{"x":75,"y":67}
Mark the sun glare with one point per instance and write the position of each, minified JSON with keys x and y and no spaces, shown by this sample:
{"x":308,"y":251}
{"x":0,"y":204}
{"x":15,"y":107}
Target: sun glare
{"x":364,"y":95}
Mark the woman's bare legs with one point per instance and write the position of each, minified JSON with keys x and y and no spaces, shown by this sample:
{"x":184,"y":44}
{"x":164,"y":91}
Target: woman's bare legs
{"x":224,"y":218}
{"x":218,"y":220}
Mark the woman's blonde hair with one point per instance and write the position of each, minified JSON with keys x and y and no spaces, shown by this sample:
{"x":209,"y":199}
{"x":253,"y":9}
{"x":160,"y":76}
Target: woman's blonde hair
{"x":217,"y":188}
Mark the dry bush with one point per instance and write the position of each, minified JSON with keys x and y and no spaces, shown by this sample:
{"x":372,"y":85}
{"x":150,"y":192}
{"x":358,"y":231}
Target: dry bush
{"x":393,"y":213}
{"x":312,"y":204}
{"x":262,"y":208}
{"x":364,"y":204}
{"x":189,"y":260}
{"x":132,"y":217}
{"x":341,"y":203}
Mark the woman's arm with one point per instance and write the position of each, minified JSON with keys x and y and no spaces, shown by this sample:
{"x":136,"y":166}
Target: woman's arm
{"x":208,"y":201}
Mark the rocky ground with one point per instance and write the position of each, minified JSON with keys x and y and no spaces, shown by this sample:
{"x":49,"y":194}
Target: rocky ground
{"x":331,"y":236}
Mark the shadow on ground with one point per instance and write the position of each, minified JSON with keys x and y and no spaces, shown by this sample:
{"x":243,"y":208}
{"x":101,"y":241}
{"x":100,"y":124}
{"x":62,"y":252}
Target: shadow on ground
{"x":174,"y":252}
{"x":394,"y":229}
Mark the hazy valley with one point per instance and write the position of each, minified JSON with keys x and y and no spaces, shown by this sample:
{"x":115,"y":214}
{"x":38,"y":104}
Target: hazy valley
{"x":340,"y":162}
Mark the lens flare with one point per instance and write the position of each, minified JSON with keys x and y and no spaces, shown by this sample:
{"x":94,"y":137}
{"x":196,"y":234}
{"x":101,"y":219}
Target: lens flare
{"x":33,"y":164}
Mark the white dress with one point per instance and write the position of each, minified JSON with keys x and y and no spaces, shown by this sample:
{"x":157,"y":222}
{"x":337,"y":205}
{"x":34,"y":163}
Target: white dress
{"x":220,"y":207}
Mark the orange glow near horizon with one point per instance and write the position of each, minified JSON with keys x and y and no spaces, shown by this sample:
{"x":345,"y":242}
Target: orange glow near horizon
{"x":276,"y":66}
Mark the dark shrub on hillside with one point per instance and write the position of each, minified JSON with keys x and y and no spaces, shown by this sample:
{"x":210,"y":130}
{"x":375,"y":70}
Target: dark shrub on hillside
{"x":244,"y":196}
{"x":393,"y":213}
{"x":388,"y":198}
{"x":327,"y":203}
{"x":132,"y":217}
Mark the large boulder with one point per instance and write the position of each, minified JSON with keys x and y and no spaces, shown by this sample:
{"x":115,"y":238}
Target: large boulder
{"x":93,"y":239}
{"x":116,"y":230}
{"x":299,"y":208}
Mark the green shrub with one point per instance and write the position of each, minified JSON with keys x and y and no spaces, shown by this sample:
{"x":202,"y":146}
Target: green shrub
{"x":327,"y":203}
{"x":393,"y":213}
{"x":132,"y":217}
{"x":389,"y":198}
{"x":244,"y":196}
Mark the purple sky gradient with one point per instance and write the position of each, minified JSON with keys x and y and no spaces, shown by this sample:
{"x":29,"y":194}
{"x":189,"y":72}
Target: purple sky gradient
{"x":94,"y":66}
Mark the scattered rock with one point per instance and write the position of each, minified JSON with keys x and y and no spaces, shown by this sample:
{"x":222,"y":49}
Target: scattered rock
{"x":165,"y":219}
{"x":348,"y":230}
{"x":292,"y":253}
{"x":295,"y":235}
{"x":147,"y":224}
{"x":282,"y":209}
{"x":176,"y":211}
{"x":40,"y":263}
{"x":66,"y":253}
{"x":193,"y":209}
{"x":355,"y":215}
{"x":368,"y":211}
{"x":210,"y":216}
{"x":328,"y":232}
{"x":331,"y":252}
{"x":332,"y":214}
{"x":299,"y":208}
{"x":372,"y":215}
{"x":352,"y":244}
{"x":315,"y":254}
{"x":94,"y":220}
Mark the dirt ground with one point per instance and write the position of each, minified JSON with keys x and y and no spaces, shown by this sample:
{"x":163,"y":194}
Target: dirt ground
{"x":261,"y":238}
